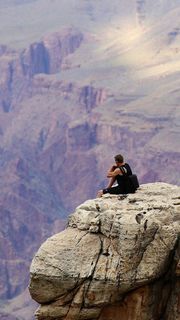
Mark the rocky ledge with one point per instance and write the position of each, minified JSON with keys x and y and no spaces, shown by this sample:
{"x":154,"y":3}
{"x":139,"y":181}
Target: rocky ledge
{"x":117,"y":259}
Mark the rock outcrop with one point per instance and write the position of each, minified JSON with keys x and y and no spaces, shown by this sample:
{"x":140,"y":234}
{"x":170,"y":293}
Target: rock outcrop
{"x":43,"y":57}
{"x":117,"y":259}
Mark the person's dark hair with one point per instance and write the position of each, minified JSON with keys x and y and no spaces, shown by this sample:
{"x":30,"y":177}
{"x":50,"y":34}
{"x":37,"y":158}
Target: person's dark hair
{"x":119,"y":158}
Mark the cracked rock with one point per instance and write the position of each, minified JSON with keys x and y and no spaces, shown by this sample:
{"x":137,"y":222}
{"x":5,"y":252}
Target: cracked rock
{"x":116,"y":262}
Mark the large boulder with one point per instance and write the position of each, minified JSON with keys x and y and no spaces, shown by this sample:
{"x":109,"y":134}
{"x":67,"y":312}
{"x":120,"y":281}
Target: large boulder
{"x":117,"y":259}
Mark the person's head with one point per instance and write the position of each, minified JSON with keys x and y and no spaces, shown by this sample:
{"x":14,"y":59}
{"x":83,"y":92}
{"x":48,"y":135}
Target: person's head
{"x":119,"y":159}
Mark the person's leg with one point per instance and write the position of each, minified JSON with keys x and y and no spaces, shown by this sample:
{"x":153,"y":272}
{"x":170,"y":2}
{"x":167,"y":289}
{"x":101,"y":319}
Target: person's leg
{"x":111,"y":182}
{"x":100,"y":192}
{"x":113,"y":190}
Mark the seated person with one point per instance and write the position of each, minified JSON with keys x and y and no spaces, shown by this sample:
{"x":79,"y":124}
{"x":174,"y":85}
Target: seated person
{"x":119,"y":173}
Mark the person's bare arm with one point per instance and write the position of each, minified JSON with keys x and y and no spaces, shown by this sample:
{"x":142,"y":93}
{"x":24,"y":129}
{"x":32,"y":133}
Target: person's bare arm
{"x":114,"y":173}
{"x":112,"y":168}
{"x":113,"y":179}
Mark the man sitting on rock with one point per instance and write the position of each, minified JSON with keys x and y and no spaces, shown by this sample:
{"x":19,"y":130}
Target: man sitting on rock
{"x":119,"y":172}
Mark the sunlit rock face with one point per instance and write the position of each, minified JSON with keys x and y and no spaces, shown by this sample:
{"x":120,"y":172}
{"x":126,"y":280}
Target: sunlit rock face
{"x":47,"y":56}
{"x":118,"y":257}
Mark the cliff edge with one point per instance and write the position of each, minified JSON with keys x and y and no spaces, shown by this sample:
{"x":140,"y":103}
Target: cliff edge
{"x":117,"y":259}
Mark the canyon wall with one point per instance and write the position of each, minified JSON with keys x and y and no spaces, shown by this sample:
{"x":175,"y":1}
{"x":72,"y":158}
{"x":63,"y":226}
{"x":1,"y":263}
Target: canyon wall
{"x":70,"y":99}
{"x":30,"y":209}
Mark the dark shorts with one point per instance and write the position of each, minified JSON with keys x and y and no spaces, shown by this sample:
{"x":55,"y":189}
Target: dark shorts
{"x":114,"y":190}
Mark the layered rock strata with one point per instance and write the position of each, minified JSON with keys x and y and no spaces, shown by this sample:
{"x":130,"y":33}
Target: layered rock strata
{"x":44,"y":57}
{"x":117,"y":259}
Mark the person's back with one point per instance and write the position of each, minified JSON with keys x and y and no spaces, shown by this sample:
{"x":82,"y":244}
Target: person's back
{"x":123,"y":180}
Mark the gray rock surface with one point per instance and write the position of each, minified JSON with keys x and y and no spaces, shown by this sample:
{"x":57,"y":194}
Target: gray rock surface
{"x":115,"y":251}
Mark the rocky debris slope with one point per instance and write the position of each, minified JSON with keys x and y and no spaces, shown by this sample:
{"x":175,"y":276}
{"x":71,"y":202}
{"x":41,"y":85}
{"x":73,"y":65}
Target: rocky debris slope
{"x":118,"y":257}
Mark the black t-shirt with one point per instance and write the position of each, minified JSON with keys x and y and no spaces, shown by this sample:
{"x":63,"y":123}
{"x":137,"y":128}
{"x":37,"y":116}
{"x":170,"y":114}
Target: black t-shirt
{"x":122,"y":180}
{"x":126,"y":171}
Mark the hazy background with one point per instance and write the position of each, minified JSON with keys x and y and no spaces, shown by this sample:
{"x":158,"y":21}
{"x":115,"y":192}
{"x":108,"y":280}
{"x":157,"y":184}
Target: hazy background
{"x":80,"y":81}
